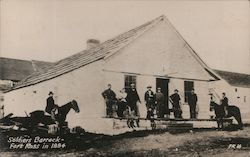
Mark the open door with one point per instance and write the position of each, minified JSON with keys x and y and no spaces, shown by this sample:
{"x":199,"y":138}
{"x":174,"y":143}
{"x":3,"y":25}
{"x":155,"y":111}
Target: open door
{"x":163,"y":84}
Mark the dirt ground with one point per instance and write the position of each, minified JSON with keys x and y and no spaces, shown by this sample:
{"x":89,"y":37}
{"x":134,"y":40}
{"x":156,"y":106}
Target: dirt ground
{"x":160,"y":144}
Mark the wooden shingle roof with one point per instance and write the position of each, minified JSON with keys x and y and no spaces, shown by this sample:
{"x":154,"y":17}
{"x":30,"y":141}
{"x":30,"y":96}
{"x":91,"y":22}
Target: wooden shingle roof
{"x":91,"y":55}
{"x":235,"y":79}
{"x":87,"y":56}
{"x":16,"y":69}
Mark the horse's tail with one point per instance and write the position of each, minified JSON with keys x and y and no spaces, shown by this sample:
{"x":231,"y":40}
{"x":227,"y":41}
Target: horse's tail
{"x":237,"y":115}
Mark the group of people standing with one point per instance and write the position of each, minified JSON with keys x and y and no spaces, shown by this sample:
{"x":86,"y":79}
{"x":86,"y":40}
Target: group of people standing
{"x":126,"y":101}
{"x":155,"y":102}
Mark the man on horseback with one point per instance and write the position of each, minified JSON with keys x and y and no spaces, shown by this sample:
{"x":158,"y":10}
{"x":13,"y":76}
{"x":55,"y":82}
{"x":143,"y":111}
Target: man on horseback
{"x":51,"y":107}
{"x":224,"y":103}
{"x":231,"y":111}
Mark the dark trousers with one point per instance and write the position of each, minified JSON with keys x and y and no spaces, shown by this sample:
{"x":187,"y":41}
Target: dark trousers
{"x":192,"y":108}
{"x":160,"y":110}
{"x":150,"y":108}
{"x":133,"y":107}
{"x":177,"y":111}
{"x":150,"y":104}
{"x":150,"y":114}
{"x":121,"y":108}
{"x":109,"y":104}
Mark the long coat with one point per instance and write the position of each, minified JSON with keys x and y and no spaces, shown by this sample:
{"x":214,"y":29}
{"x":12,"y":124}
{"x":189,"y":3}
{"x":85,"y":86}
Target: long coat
{"x":132,"y":96}
{"x":109,"y":94}
{"x":192,"y":99}
{"x":149,"y":97}
{"x":159,"y":98}
{"x":224,"y":102}
{"x":176,"y":100}
{"x":50,"y":105}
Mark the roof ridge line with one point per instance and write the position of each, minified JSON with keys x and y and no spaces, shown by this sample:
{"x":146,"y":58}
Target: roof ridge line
{"x":109,"y":40}
{"x":103,"y":50}
{"x":154,"y":23}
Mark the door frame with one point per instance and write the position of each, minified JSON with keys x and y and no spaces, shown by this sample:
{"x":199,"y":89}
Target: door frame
{"x":165,"y":90}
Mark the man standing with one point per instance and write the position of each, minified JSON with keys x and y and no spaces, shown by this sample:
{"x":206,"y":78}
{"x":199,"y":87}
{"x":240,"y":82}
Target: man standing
{"x":224,"y":103}
{"x":192,"y":102}
{"x":133,"y":98}
{"x":175,"y":100}
{"x":149,"y":98}
{"x":122,"y":102}
{"x":159,"y":99}
{"x":51,"y":106}
{"x":109,"y":97}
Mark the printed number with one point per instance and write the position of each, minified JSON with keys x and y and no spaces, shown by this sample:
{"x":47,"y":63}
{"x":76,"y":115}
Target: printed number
{"x":58,"y":145}
{"x":234,"y":146}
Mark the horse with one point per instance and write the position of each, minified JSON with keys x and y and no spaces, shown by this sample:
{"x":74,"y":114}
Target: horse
{"x":64,"y":110}
{"x":233,"y":111}
{"x":38,"y":116}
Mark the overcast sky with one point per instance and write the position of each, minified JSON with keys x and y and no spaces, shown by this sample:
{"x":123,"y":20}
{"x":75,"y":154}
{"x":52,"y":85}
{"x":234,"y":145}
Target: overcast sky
{"x":50,"y":30}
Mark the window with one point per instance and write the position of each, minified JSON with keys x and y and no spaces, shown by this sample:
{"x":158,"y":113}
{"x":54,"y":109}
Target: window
{"x":245,"y":99}
{"x":129,"y":79}
{"x":188,"y":86}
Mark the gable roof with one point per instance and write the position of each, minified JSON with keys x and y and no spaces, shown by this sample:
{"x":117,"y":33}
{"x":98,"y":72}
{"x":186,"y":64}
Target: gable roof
{"x":16,"y":69}
{"x":101,"y":51}
{"x":235,"y":79}
{"x":40,"y":65}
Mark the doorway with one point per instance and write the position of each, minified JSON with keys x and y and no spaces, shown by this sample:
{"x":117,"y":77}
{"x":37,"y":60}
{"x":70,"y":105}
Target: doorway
{"x":163,"y":84}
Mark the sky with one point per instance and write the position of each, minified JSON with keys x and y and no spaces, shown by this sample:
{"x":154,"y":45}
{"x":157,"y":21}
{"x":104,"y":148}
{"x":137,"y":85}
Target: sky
{"x":50,"y":30}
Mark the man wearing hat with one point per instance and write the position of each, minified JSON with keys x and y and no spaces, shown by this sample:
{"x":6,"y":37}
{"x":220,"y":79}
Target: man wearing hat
{"x":175,"y":100}
{"x":51,"y":106}
{"x":109,"y":97}
{"x":160,"y":99}
{"x":192,"y":102}
{"x":149,"y":98}
{"x":133,"y":98}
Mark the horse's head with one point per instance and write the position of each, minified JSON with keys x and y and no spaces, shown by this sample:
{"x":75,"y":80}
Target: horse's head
{"x":212,"y":105}
{"x":218,"y":109}
{"x":75,"y":106}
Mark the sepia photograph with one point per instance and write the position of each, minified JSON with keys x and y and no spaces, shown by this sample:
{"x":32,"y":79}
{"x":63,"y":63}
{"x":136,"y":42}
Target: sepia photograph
{"x":125,"y":78}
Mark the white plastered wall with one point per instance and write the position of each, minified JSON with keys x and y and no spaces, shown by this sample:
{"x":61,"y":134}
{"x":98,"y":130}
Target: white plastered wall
{"x":84,"y":85}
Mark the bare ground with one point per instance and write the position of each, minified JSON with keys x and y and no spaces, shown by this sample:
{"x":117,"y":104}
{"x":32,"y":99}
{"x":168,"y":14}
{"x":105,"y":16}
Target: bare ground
{"x":191,"y":144}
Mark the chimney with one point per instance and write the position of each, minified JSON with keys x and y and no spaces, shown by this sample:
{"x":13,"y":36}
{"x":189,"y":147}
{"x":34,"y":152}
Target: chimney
{"x":92,"y":43}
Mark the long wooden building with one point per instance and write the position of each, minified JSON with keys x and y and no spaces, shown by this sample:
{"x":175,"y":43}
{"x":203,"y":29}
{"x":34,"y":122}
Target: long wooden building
{"x":152,"y":54}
